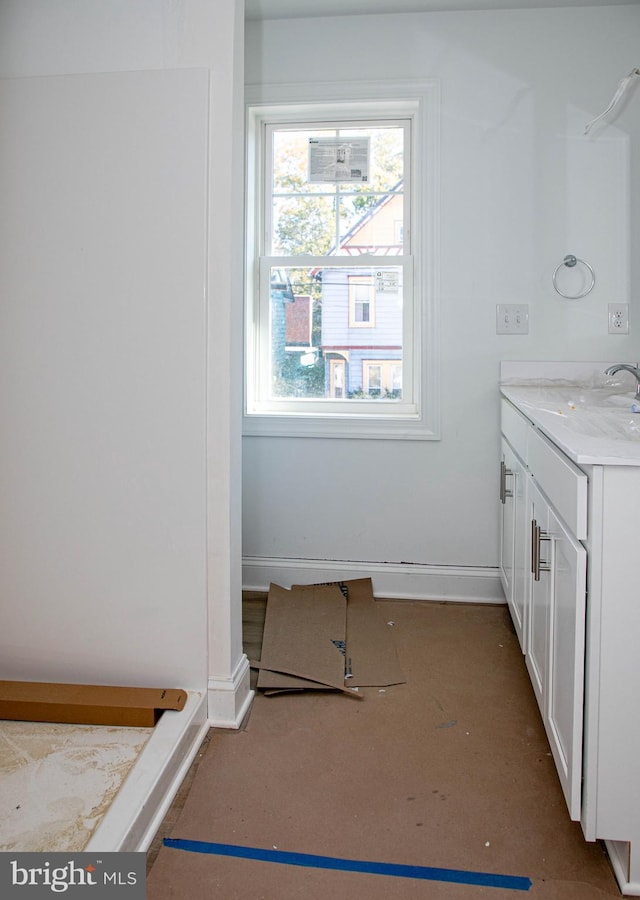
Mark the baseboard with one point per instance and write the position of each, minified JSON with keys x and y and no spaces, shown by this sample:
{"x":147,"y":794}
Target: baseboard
{"x":619,"y":853}
{"x":404,"y":581}
{"x":138,"y":808}
{"x":229,"y":699}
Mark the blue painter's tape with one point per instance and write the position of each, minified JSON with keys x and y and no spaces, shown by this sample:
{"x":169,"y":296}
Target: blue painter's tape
{"x":310,"y":860}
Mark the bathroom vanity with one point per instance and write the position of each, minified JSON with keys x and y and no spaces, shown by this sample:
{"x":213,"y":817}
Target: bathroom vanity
{"x":570,"y":535}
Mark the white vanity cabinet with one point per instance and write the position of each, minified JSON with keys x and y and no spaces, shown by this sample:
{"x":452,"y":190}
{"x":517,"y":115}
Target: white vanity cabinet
{"x":579,"y":624}
{"x":579,"y":446}
{"x":544,"y":519}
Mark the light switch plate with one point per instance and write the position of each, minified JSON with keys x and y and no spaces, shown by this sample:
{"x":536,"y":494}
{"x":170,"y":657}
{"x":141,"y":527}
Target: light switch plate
{"x":512,"y":318}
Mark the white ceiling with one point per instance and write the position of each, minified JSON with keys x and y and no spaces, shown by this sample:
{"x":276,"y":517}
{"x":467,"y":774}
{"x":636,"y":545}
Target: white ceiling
{"x":285,"y":9}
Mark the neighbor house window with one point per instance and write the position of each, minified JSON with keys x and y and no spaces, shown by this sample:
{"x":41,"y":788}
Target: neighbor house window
{"x":362,"y":298}
{"x":341,"y":205}
{"x":382,"y":378}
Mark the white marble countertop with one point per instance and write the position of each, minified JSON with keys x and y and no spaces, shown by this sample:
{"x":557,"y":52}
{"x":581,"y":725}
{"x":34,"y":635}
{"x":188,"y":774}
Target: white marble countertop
{"x":585,"y":413}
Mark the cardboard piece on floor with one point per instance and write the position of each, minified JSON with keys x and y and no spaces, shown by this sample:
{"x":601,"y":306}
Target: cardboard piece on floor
{"x":86,"y":704}
{"x":294,"y":640}
{"x":300,"y":631}
{"x":370,"y":644}
{"x":304,"y":676}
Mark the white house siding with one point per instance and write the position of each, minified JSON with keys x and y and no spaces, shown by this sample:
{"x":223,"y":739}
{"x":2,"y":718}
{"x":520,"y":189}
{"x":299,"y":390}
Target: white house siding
{"x":380,"y":341}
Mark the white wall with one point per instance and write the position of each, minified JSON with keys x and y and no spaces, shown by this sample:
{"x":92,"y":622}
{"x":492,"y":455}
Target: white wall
{"x":520,"y":188}
{"x":121,"y":463}
{"x":103,"y":377}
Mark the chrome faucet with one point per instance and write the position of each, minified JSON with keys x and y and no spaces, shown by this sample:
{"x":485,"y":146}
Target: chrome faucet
{"x":635,"y":371}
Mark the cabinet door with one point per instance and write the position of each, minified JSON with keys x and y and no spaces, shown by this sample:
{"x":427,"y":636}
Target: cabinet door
{"x":521,"y":541}
{"x":555,"y":648}
{"x":541,"y":587}
{"x":565,"y":688}
{"x":507,"y":521}
{"x":514,"y":573}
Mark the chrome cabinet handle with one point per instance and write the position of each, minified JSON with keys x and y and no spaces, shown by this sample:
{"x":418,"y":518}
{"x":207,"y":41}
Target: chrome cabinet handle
{"x":537,"y":563}
{"x":504,"y":490}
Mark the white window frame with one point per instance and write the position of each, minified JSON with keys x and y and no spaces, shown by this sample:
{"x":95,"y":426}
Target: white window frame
{"x":419,"y":416}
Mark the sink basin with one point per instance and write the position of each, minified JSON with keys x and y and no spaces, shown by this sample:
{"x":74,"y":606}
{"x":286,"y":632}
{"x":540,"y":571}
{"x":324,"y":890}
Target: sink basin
{"x":596,"y":412}
{"x":605,"y":423}
{"x":566,"y":399}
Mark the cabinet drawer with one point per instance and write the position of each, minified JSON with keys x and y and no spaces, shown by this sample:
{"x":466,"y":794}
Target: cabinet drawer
{"x":564,"y":483}
{"x":515,"y":428}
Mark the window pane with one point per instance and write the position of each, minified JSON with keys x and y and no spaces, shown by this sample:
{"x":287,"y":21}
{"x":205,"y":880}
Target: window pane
{"x":374,"y":379}
{"x":336,"y":332}
{"x":304,"y":224}
{"x":313,"y":213}
{"x":290,"y":163}
{"x":371,"y":225}
{"x":387,"y":155}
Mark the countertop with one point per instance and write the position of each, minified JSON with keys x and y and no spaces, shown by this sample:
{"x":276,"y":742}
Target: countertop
{"x":587,"y":415}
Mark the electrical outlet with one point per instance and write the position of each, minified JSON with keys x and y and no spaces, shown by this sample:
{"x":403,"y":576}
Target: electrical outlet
{"x":512,"y":318}
{"x":618,"y":318}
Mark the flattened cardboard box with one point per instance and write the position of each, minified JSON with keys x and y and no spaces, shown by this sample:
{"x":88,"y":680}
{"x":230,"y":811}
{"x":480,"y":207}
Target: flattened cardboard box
{"x":86,"y":704}
{"x":370,"y":644}
{"x":303,"y":633}
{"x":305,"y":626}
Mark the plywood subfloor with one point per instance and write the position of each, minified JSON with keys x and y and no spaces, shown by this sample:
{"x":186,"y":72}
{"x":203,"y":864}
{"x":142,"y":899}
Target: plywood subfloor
{"x":450,"y":770}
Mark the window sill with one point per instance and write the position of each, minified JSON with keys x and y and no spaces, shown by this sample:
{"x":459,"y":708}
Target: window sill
{"x":362,"y":427}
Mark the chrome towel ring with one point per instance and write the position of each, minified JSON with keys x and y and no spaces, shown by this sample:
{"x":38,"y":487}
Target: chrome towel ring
{"x":570,"y":261}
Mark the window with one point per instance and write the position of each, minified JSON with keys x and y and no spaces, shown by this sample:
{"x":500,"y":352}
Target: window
{"x":340,"y":316}
{"x":362,"y":298}
{"x":382,"y":377}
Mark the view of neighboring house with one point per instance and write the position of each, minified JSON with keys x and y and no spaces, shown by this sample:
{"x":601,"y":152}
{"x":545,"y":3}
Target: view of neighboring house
{"x":361,"y":338}
{"x":357,"y":340}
